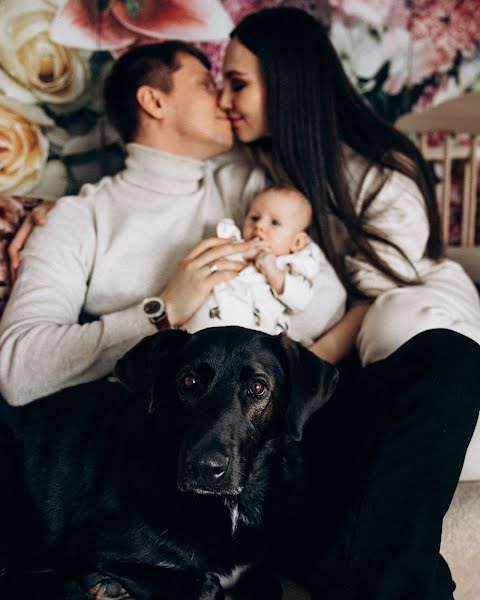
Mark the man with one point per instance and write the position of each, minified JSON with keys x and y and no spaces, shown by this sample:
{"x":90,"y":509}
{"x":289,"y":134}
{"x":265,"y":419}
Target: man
{"x":115,"y":251}
{"x":118,"y":243}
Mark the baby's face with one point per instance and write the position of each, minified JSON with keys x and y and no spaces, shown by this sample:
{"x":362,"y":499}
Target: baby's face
{"x":276,"y":217}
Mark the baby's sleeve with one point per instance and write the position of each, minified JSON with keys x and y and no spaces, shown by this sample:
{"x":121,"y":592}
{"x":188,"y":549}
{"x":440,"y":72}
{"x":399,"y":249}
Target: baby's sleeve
{"x":301,"y":268}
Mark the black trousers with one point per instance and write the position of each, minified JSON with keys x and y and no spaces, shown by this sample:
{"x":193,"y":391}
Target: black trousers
{"x":384,"y":458}
{"x":386,"y":454}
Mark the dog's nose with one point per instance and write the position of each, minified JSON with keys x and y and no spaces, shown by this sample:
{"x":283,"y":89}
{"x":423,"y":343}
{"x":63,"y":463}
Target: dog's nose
{"x":213,"y":465}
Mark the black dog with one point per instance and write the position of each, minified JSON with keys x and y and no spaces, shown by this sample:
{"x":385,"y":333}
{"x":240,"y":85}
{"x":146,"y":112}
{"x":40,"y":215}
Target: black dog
{"x":164,"y":491}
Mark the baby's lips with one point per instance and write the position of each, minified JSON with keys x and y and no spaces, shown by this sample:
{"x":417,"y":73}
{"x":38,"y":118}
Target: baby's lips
{"x":256,"y":241}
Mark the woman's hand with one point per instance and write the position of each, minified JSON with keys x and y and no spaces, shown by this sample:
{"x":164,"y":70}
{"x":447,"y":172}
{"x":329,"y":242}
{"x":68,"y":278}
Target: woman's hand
{"x":340,"y":340}
{"x":38,"y":216}
{"x":204,"y":267}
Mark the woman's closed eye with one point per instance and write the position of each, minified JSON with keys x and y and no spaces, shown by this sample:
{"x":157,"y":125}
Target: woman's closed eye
{"x":237,"y":84}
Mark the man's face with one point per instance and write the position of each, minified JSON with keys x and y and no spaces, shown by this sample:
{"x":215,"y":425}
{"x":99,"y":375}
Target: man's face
{"x":198,"y":126}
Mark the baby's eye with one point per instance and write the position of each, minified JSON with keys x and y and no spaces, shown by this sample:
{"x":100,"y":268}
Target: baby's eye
{"x":276,"y":222}
{"x":254,"y":218}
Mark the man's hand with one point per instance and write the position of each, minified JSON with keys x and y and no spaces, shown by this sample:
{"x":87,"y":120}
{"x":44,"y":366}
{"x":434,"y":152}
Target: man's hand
{"x":204,"y":267}
{"x":38,"y":216}
{"x":266,"y":264}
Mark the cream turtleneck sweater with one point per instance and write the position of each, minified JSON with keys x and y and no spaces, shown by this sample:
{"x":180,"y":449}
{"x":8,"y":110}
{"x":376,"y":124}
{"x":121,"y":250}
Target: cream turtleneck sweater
{"x":103,"y":252}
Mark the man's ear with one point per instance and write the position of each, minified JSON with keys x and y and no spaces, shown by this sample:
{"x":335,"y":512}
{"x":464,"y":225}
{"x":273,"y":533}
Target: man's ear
{"x":148,"y":359}
{"x":312,"y":382}
{"x":151,"y":100}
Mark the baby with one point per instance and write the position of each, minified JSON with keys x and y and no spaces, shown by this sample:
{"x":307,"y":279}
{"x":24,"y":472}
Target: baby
{"x":283,"y":264}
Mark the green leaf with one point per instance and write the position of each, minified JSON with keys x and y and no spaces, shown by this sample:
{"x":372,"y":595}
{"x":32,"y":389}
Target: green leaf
{"x":133,"y":7}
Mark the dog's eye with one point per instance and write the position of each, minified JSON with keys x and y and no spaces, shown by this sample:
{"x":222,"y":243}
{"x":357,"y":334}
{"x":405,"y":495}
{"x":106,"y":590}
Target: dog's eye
{"x":257,"y":389}
{"x":188,"y":381}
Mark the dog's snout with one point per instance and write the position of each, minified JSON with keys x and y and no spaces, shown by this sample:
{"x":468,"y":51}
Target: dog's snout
{"x":213,"y":465}
{"x":207,"y":470}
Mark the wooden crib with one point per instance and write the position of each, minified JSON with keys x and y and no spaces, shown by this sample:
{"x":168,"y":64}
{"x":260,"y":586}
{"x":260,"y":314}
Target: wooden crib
{"x":456,"y":124}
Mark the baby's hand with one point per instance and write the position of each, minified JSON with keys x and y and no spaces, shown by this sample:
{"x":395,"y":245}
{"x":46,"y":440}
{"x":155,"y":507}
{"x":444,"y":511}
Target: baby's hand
{"x":256,"y":246}
{"x":266,"y":263}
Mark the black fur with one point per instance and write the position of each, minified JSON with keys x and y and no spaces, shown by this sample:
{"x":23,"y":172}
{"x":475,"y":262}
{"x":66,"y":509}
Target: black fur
{"x":164,"y":486}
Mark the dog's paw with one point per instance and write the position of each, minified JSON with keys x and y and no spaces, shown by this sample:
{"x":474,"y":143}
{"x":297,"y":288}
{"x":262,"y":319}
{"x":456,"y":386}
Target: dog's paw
{"x":108,"y":589}
{"x":211,"y":588}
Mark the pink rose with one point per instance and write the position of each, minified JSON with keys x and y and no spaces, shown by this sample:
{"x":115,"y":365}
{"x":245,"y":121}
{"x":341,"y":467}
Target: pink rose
{"x":377,"y":13}
{"x":441,"y":28}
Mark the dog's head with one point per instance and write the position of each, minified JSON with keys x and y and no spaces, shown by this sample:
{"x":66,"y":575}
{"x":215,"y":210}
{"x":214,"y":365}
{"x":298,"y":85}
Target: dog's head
{"x":228,"y":392}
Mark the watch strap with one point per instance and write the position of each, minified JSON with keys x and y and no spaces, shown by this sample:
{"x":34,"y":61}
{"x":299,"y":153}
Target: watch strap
{"x":161,"y":323}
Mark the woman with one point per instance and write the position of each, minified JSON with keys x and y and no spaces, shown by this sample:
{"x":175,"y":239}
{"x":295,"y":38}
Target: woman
{"x":377,"y":221}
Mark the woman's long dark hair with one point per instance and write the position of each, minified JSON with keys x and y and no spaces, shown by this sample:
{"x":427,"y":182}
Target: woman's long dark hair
{"x":313,"y":110}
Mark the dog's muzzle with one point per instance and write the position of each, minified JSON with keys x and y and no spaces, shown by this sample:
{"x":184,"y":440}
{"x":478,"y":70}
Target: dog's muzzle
{"x":207,"y":472}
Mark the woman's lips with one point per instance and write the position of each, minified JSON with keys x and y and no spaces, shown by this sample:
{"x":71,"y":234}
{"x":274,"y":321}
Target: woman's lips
{"x":235,"y":120}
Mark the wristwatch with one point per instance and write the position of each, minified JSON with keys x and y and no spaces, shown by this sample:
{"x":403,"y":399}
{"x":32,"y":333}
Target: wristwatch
{"x":154,"y":308}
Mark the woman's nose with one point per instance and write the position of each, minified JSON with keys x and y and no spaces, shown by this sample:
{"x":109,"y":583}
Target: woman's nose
{"x":225,"y":98}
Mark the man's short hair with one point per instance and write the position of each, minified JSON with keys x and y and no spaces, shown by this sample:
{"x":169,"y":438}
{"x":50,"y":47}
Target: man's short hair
{"x":152,"y":65}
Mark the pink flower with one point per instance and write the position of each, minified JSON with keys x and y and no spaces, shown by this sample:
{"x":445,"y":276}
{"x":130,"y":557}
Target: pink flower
{"x":79,"y":23}
{"x":377,"y":13}
{"x":432,"y":95}
{"x":239,"y":9}
{"x":11,"y":211}
{"x":441,"y":28}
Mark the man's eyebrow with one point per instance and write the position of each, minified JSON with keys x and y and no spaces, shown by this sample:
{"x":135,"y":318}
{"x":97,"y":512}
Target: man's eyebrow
{"x":205,"y":76}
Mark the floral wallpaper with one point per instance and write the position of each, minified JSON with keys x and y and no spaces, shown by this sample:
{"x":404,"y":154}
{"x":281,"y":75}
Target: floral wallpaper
{"x":403,"y":55}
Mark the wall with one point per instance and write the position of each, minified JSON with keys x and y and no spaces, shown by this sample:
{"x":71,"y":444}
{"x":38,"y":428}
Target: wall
{"x":402,"y":55}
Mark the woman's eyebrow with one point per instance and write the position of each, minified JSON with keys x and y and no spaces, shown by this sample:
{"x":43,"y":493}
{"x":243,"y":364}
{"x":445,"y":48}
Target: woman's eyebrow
{"x":233,"y":73}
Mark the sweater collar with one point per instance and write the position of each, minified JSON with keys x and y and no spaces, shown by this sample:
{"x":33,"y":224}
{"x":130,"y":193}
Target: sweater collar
{"x":163,"y":172}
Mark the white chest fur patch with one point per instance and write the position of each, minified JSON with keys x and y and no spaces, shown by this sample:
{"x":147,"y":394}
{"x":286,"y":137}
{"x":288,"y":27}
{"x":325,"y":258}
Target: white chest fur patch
{"x":234,"y":513}
{"x":236,"y":516}
{"x":228,"y":581}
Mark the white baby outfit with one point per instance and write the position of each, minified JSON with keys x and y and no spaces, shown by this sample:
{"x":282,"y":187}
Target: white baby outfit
{"x":249,"y":301}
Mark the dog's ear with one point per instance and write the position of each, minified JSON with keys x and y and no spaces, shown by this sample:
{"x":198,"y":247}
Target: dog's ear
{"x":312,"y":382}
{"x":137,"y":368}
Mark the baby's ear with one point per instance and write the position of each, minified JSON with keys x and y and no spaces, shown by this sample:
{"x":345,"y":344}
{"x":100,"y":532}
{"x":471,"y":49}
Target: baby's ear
{"x":299,"y":242}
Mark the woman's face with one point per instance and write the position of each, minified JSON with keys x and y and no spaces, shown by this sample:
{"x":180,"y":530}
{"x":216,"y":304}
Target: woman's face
{"x":243,"y":95}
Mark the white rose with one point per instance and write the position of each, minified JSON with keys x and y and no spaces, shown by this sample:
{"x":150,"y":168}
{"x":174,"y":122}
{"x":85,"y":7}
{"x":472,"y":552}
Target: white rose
{"x":359,"y":49}
{"x":33,"y":67}
{"x":24,"y":151}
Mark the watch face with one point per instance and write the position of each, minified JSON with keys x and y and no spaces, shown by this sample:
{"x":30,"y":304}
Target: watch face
{"x":152,"y":307}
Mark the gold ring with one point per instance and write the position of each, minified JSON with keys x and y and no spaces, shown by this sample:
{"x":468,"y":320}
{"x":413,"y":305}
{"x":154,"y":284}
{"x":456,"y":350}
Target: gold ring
{"x":213,"y":268}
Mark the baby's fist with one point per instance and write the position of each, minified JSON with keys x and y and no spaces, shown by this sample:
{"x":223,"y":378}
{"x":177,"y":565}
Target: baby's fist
{"x":266,"y":264}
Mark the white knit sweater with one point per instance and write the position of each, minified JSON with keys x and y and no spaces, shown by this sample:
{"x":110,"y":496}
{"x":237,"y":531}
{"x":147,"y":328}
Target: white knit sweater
{"x":107,"y":249}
